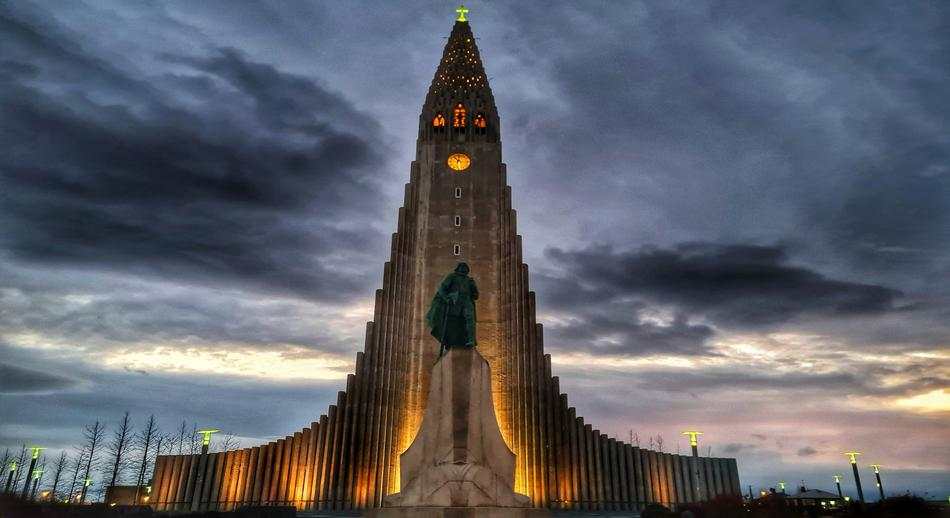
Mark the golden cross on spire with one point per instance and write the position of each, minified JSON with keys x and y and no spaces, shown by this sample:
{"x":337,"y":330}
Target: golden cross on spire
{"x":462,"y":10}
{"x":851,"y":455}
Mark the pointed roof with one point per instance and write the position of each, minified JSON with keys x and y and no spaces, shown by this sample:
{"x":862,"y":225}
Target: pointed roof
{"x":460,"y":73}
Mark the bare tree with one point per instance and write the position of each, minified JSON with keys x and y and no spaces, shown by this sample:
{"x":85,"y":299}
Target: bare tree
{"x":77,"y":468}
{"x":144,"y":441}
{"x":7,"y":458}
{"x":19,"y":470}
{"x":195,"y":441}
{"x":659,"y":442}
{"x":60,"y":467}
{"x":651,"y":442}
{"x":635,"y":438}
{"x":118,"y":447}
{"x":181,"y":436}
{"x":709,"y":451}
{"x":228,"y":443}
{"x":93,"y":436}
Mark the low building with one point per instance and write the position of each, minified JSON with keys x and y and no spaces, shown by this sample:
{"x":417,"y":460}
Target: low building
{"x":815,"y":498}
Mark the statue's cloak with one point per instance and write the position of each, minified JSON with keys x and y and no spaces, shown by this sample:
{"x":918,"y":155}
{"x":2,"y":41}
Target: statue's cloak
{"x":451,"y":316}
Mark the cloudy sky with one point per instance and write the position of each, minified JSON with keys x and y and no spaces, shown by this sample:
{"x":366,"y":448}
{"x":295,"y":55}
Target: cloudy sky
{"x":735,"y":214}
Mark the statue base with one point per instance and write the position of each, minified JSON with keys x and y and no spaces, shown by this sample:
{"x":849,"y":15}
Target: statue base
{"x":458,"y":462}
{"x":457,"y":512}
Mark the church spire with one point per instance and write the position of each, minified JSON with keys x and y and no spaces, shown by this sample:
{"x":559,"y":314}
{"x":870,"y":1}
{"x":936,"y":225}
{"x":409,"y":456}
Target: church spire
{"x":460,"y":86}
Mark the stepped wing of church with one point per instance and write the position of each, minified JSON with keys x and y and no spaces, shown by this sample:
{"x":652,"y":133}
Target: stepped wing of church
{"x":454,"y":210}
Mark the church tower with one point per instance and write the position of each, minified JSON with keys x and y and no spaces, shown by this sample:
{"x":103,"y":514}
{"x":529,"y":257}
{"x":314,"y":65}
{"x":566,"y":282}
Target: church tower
{"x":457,"y":207}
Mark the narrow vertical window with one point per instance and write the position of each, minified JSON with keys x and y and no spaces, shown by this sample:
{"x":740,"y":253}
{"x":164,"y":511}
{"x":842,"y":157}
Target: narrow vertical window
{"x":480,"y":121}
{"x":458,"y":116}
{"x":457,"y":250}
{"x":458,"y":221}
{"x":438,"y":121}
{"x":458,"y":192}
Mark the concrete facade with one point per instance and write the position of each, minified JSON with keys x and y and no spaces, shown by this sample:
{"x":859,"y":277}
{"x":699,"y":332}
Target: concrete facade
{"x":350,"y":457}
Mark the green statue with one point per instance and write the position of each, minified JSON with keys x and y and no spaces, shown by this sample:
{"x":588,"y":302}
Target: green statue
{"x":451,"y":316}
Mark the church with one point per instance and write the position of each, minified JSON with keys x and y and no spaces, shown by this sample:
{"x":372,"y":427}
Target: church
{"x":457,"y":207}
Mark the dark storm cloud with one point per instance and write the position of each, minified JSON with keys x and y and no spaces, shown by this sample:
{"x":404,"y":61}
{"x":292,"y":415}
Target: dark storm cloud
{"x":14,"y":380}
{"x":807,"y":451}
{"x":219,"y":170}
{"x":812,"y":124}
{"x":733,"y":285}
{"x":617,"y":328}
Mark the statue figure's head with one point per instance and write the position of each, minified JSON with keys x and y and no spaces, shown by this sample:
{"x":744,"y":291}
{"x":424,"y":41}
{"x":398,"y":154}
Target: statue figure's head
{"x":462,"y":268}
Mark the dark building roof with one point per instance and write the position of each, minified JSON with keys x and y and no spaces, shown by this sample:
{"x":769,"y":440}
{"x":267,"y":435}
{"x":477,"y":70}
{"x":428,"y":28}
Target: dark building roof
{"x":814,"y":494}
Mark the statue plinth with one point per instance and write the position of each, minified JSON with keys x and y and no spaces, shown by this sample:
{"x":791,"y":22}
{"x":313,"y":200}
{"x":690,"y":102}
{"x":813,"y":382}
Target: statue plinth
{"x":458,"y":464}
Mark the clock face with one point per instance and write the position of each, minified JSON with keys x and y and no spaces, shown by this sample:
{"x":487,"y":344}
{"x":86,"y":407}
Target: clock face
{"x":459,"y":161}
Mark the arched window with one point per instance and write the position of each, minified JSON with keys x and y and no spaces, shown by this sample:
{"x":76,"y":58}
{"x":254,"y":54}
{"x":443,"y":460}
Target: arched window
{"x":438,"y":121}
{"x":480,"y":121}
{"x":458,"y":116}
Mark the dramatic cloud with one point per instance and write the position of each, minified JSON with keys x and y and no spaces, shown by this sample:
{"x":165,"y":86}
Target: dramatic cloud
{"x":219,"y":169}
{"x":15,"y":380}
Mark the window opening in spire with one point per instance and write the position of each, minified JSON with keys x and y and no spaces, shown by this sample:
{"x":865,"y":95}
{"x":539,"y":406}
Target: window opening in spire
{"x":438,"y":121}
{"x":458,"y":116}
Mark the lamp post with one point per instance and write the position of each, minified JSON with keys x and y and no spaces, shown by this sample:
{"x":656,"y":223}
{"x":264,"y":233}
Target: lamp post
{"x":852,"y":455}
{"x":781,"y":486}
{"x":877,"y":475}
{"x":37,"y":473}
{"x":838,"y":483}
{"x":697,"y":476}
{"x":85,"y":487}
{"x":26,"y":483}
{"x":13,"y":467}
{"x":206,"y":439}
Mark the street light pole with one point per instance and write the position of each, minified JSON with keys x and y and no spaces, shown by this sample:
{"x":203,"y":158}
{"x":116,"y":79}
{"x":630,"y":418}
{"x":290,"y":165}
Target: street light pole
{"x":877,"y":475}
{"x":697,"y":476}
{"x":85,"y":487}
{"x":13,"y":467}
{"x":857,"y":477}
{"x":26,"y":483}
{"x":206,"y":439}
{"x":37,"y":473}
{"x":838,"y":483}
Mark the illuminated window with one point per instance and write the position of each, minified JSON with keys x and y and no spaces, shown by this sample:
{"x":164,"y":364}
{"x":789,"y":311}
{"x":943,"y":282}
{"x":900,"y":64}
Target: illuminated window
{"x":458,"y":116}
{"x":438,"y":121}
{"x":458,"y":192}
{"x":457,"y":249}
{"x":479,"y":121}
{"x":458,"y":221}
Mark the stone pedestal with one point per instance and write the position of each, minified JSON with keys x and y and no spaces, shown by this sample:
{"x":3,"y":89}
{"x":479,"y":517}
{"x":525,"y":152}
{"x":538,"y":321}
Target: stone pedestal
{"x":458,"y":465}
